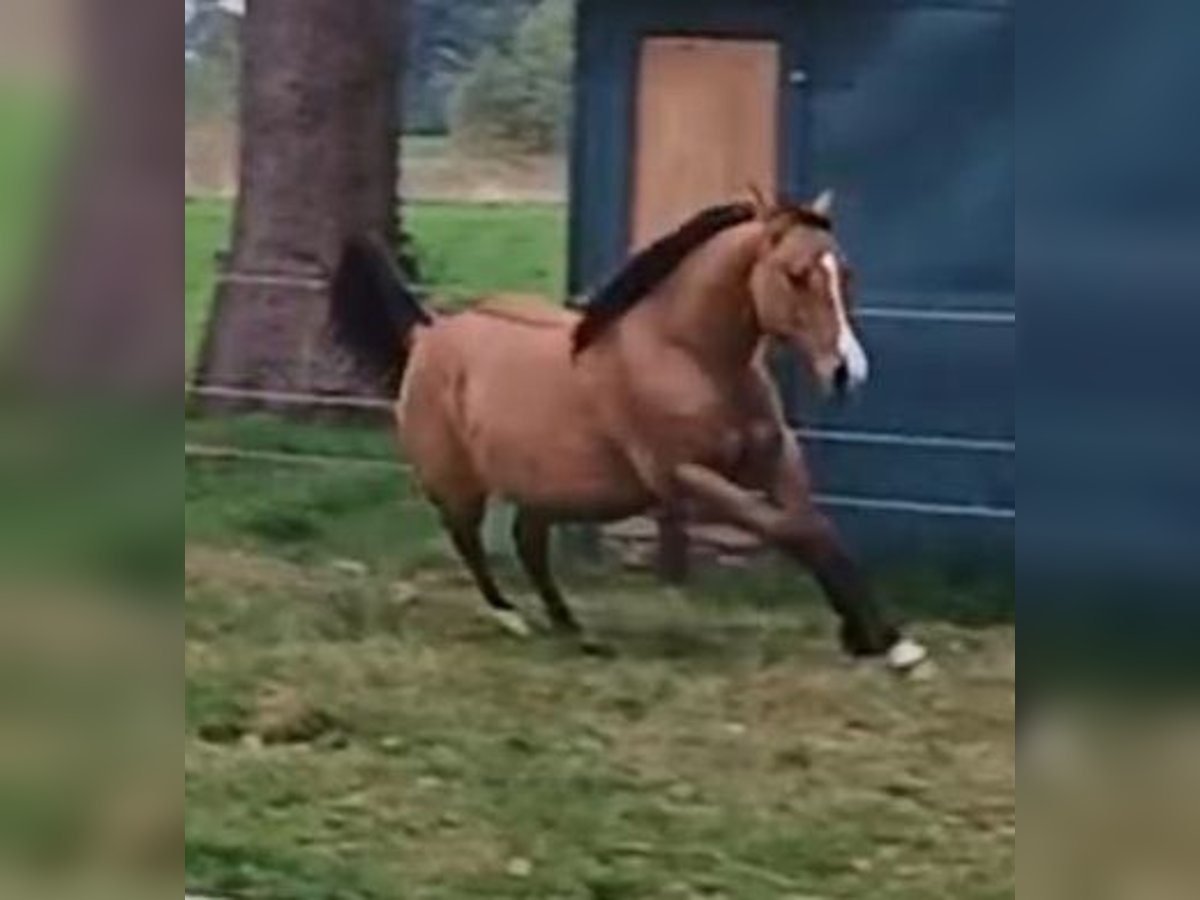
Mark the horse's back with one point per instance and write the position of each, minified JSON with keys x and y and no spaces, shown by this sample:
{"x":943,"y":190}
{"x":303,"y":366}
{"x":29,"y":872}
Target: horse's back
{"x":507,"y":339}
{"x":525,"y":309}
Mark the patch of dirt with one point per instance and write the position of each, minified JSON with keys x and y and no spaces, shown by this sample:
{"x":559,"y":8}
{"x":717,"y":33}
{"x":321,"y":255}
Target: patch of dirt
{"x":483,"y":179}
{"x":240,"y":571}
{"x":283,"y":715}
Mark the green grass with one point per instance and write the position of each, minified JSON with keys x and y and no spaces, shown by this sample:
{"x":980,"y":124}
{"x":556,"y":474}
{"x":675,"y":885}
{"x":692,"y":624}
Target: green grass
{"x":370,"y":514}
{"x":207,"y":224}
{"x":468,"y":248}
{"x":419,"y":146}
{"x":465,"y":250}
{"x":357,"y":729}
{"x":32,"y":129}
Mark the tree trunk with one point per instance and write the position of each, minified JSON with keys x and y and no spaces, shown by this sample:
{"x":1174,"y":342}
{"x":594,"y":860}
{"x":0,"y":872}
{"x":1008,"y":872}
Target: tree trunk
{"x":319,"y":131}
{"x":108,"y":314}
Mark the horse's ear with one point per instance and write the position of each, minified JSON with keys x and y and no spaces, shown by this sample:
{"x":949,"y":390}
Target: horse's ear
{"x":758,"y":200}
{"x":823,"y":205}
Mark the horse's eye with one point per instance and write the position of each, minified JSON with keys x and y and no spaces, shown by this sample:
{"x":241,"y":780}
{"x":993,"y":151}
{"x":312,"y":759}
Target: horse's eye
{"x":798,"y":280}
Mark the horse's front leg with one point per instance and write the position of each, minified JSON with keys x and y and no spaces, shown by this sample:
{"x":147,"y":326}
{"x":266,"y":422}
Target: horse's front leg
{"x":790,"y":521}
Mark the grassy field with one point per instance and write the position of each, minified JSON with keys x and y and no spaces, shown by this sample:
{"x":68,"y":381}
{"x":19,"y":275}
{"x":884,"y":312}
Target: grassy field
{"x":31,"y":128}
{"x":475,"y":248}
{"x":207,"y":224}
{"x":464,"y":249}
{"x":356,"y":729}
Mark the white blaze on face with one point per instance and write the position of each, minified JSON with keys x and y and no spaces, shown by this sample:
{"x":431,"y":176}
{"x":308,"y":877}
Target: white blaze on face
{"x":851,"y":351}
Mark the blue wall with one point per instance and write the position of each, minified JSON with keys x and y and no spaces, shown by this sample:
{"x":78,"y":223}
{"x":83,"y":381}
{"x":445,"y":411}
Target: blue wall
{"x":1110,"y":276}
{"x":905,"y":108}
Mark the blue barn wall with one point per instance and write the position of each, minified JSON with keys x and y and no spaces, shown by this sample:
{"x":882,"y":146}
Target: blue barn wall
{"x":905,"y":108}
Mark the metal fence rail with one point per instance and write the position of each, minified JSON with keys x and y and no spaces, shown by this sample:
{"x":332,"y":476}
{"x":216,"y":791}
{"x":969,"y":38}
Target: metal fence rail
{"x":350,"y":402}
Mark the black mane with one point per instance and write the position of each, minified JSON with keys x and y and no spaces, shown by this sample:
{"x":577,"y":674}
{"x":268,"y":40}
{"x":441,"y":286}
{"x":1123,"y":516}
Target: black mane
{"x":650,"y":268}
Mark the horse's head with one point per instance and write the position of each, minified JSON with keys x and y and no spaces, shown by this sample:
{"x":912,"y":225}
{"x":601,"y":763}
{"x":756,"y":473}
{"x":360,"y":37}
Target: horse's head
{"x":801,"y":290}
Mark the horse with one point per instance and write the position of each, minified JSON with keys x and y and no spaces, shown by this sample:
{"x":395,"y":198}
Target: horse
{"x":655,"y":396}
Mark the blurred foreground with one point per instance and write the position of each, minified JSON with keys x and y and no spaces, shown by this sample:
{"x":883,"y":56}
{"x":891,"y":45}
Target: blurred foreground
{"x":333,"y":723}
{"x":1110,"y":802}
{"x":90,"y":480}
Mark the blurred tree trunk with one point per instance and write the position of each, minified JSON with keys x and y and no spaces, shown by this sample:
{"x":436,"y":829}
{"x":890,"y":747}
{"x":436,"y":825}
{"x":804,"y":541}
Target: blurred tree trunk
{"x":319,"y":129}
{"x":106,"y":314}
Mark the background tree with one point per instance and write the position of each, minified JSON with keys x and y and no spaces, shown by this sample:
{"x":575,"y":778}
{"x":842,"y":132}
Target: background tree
{"x":447,"y":38}
{"x":445,"y":41}
{"x":318,"y":162}
{"x":517,"y":96}
{"x":212,"y":58}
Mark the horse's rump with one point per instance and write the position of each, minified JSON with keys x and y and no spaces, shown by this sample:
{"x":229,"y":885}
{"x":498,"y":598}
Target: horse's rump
{"x":500,"y":382}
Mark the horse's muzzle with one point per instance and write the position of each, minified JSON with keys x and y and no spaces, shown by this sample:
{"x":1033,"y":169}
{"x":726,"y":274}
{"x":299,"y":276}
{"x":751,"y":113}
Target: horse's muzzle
{"x":841,"y":380}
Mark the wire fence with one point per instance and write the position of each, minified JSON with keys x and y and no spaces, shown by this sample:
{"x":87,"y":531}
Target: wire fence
{"x":831,"y":435}
{"x":234,"y":453}
{"x":288,"y":457}
{"x":218,"y":452}
{"x":286,"y":398}
{"x":319,"y":280}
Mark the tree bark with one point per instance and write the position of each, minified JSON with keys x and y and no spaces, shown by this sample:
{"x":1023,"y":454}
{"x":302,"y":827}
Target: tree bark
{"x":319,"y":125}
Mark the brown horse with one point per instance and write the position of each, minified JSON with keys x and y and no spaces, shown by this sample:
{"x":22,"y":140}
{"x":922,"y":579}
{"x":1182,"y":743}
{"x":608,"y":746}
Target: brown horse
{"x":656,"y":395}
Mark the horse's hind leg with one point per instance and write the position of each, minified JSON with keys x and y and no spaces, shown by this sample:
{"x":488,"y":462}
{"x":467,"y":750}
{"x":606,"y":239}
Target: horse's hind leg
{"x":449,"y":480}
{"x":531,"y":534}
{"x":463,"y":525}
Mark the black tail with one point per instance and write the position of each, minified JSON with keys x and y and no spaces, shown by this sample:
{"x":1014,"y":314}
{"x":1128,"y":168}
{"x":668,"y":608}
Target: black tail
{"x":372,"y":311}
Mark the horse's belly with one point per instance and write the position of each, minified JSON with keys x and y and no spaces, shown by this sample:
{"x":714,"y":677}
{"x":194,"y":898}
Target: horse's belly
{"x":556,"y":464}
{"x":532,"y":432}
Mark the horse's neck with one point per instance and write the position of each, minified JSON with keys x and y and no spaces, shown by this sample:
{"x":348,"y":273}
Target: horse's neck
{"x":707,"y":308}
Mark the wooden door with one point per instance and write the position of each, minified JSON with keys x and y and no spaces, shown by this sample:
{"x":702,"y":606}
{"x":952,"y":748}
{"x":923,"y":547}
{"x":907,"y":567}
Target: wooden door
{"x":707,"y":125}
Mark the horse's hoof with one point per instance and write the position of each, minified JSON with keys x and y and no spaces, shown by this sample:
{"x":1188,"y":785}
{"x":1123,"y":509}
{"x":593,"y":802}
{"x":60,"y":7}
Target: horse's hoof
{"x":512,"y":622}
{"x":907,"y":657}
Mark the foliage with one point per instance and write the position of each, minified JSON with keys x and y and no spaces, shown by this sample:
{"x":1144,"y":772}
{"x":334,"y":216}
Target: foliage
{"x":212,"y":44}
{"x":445,"y":39}
{"x":517,"y":96}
